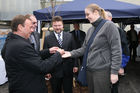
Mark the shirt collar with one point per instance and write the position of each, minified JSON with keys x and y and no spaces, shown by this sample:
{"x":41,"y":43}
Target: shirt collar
{"x":56,"y":34}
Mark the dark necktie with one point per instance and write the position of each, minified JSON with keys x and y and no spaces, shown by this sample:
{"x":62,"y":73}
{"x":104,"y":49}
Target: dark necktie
{"x":78,"y":34}
{"x":59,"y":40}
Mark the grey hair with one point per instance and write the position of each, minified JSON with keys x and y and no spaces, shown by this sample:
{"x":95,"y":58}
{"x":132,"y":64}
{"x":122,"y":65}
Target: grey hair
{"x":108,"y":13}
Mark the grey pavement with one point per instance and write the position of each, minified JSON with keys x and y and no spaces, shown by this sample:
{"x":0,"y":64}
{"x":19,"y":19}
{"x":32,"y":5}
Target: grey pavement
{"x":131,"y":82}
{"x":4,"y":88}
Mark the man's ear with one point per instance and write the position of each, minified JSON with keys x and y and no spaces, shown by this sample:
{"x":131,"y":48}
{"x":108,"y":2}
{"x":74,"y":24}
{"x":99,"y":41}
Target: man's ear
{"x":20,"y":27}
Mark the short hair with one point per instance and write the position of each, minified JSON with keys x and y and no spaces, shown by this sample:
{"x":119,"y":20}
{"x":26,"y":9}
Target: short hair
{"x":108,"y":13}
{"x":19,"y":19}
{"x":29,"y":15}
{"x":76,"y":23}
{"x":57,"y":18}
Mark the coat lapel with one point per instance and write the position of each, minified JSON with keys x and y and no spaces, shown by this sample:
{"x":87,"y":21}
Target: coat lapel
{"x":36,"y":35}
{"x":64,"y":39}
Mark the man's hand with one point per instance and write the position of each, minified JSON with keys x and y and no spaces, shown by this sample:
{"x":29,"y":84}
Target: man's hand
{"x":121,"y":71}
{"x":114,"y":78}
{"x":53,"y":49}
{"x":61,"y":51}
{"x":75,"y":69}
{"x":66,"y":55}
{"x":48,"y":76}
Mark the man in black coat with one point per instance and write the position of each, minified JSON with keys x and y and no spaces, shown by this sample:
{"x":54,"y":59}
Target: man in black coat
{"x":35,"y":36}
{"x":62,"y":75}
{"x":133,"y":42}
{"x":79,"y":37}
{"x":25,"y":68}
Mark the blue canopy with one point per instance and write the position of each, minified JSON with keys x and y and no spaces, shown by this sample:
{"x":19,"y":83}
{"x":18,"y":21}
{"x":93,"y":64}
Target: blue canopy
{"x":75,"y":10}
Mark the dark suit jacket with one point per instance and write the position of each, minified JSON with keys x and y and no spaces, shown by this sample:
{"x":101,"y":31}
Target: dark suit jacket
{"x":78,"y":42}
{"x":25,"y":68}
{"x":37,"y":40}
{"x":124,"y":42}
{"x":129,"y":37}
{"x":66,"y":68}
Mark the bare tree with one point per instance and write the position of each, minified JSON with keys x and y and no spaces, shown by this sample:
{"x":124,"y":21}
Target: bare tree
{"x":51,"y":11}
{"x":52,"y":4}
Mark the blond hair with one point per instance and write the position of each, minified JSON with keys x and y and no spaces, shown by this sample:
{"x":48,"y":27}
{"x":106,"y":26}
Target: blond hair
{"x":94,"y":7}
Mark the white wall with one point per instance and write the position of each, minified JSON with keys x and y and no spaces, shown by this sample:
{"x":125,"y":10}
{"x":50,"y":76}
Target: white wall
{"x":11,"y":8}
{"x":137,"y":28}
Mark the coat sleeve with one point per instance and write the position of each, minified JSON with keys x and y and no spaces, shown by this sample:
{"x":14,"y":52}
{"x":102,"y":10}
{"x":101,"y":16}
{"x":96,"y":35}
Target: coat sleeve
{"x":80,"y":51}
{"x":45,"y":53}
{"x":33,"y":61}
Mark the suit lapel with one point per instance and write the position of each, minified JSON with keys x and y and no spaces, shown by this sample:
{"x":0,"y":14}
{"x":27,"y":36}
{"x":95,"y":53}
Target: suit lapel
{"x":64,"y":39}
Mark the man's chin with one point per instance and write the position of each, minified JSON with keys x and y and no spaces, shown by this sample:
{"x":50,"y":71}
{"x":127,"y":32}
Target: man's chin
{"x":58,"y":32}
{"x":28,"y":36}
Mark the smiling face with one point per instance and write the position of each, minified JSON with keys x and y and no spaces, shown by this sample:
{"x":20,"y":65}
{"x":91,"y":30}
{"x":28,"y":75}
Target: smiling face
{"x":91,"y":16}
{"x":27,"y":29}
{"x":57,"y":26}
{"x":93,"y":12}
{"x":34,"y":21}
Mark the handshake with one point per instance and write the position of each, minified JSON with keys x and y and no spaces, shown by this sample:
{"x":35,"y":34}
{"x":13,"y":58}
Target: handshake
{"x":64,"y":54}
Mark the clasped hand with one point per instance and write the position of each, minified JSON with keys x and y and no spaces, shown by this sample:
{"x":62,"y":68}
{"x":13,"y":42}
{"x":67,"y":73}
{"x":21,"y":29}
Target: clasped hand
{"x":56,"y":49}
{"x":65,"y":54}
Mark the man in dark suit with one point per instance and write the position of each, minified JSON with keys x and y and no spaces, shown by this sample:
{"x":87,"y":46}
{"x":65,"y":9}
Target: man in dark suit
{"x":25,"y":68}
{"x":133,"y":42}
{"x":79,"y":37}
{"x":35,"y":36}
{"x":62,"y":75}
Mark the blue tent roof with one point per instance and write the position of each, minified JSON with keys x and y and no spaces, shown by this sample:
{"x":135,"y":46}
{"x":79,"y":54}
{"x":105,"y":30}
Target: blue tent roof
{"x":75,"y":9}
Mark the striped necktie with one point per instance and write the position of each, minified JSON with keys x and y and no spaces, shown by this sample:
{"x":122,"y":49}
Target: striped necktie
{"x":59,"y":40}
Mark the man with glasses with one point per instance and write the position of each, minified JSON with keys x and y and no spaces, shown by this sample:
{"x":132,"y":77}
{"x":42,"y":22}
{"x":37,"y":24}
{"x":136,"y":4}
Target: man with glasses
{"x":35,"y":36}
